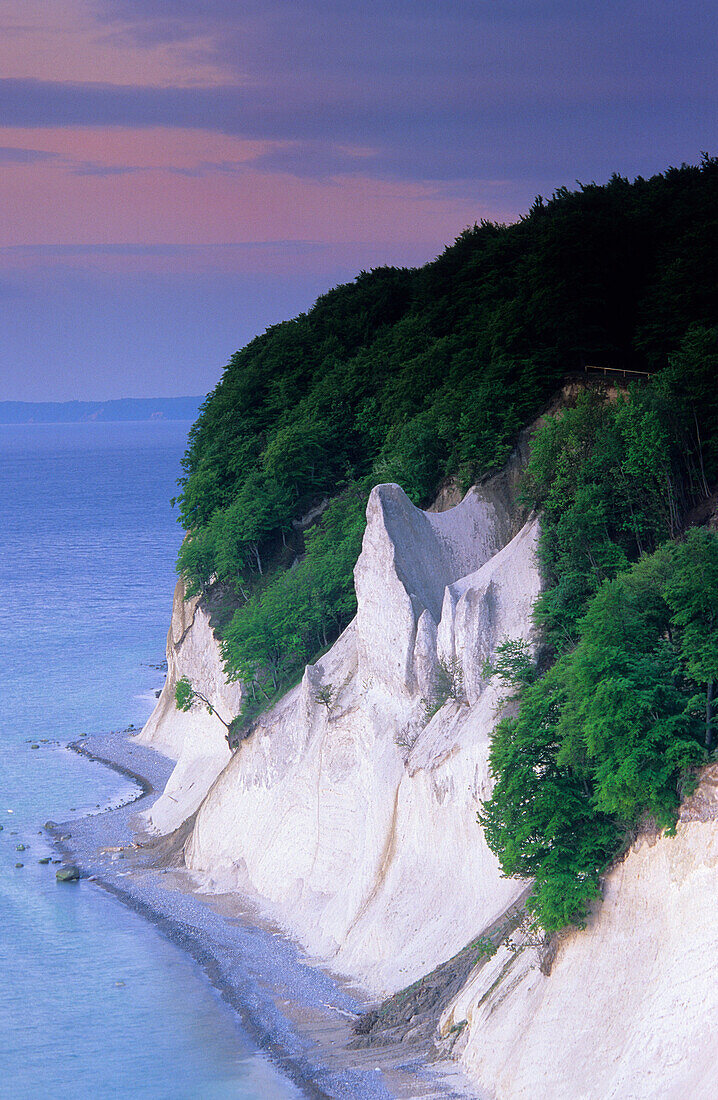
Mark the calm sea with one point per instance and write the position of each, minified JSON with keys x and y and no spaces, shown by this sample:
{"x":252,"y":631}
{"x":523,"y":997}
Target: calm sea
{"x":87,"y":544}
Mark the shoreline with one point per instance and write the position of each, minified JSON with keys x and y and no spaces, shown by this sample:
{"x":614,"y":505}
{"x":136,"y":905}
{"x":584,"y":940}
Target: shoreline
{"x":295,"y":1012}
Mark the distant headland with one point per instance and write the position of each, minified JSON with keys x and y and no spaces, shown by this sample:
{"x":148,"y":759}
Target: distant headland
{"x":75,"y":412}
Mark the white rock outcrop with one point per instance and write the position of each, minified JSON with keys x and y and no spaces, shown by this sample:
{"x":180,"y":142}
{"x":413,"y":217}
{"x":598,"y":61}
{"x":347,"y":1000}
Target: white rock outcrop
{"x":408,"y":558}
{"x":355,"y":827}
{"x":195,"y":739}
{"x":626,"y":1011}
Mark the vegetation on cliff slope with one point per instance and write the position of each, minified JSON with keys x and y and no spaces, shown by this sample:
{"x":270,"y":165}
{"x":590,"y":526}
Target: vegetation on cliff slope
{"x":415,"y":375}
{"x":605,"y":742}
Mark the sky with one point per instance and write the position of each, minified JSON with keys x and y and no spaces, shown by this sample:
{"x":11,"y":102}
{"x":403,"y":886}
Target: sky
{"x":176,"y":175}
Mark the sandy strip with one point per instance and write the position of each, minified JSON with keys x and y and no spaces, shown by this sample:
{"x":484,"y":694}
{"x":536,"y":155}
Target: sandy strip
{"x":297,"y":1013}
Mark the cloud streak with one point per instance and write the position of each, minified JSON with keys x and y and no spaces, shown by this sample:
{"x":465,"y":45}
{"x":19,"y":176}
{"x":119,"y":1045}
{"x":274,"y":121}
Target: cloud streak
{"x":439,"y":141}
{"x":12,"y":155}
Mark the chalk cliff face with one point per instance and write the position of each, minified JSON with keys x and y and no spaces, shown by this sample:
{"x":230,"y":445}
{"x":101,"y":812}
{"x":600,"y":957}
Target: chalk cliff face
{"x":195,"y":739}
{"x":626,"y":1010}
{"x":354,"y":826}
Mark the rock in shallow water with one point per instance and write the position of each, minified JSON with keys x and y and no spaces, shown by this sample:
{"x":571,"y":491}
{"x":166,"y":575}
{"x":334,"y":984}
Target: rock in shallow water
{"x":69,"y":873}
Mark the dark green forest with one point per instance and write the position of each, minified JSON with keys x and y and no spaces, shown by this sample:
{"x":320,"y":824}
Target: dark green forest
{"x":418,"y":376}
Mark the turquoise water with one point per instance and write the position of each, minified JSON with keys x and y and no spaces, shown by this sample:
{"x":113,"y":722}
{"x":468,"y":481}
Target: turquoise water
{"x":93,"y":1001}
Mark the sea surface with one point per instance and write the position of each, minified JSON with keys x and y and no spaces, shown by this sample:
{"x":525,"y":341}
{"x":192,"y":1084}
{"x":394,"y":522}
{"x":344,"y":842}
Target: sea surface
{"x":93,"y":1001}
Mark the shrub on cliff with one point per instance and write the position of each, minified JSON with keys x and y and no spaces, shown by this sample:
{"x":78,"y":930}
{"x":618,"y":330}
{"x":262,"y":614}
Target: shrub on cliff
{"x":298,"y":612}
{"x":186,"y":695}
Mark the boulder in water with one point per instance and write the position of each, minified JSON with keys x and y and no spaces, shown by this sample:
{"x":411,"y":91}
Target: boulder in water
{"x":69,"y":873}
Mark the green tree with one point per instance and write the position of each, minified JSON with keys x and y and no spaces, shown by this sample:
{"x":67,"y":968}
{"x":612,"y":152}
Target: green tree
{"x":607,"y":739}
{"x":186,"y":695}
{"x":623,"y":723}
{"x":692,"y":595}
{"x":540,"y":820}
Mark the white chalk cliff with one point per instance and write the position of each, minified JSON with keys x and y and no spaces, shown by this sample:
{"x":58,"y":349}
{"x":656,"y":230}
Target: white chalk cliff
{"x":627,"y":1011}
{"x":355,"y":826}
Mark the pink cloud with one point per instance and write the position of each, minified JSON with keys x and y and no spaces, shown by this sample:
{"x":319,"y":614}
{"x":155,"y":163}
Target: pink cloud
{"x":63,"y":40}
{"x":119,"y":186}
{"x":124,"y":147}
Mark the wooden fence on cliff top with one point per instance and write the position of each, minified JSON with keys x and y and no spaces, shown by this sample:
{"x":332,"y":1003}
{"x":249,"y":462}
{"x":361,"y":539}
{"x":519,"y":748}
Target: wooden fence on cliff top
{"x":617,"y":370}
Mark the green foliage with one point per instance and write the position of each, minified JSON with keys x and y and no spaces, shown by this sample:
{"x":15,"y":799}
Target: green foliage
{"x":416,"y":375}
{"x":300,"y":611}
{"x":184,"y":694}
{"x":692,"y":373}
{"x":609,"y":737}
{"x":539,"y":820}
{"x":325,"y":696}
{"x":484,"y":948}
{"x":624,"y":722}
{"x":237,"y":730}
{"x":612,"y":480}
{"x":512,"y":662}
{"x":448,"y":684}
{"x":692,"y":596}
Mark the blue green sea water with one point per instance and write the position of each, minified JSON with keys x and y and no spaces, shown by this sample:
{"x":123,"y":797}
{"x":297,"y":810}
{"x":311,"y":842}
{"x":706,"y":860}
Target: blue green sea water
{"x":93,"y":1001}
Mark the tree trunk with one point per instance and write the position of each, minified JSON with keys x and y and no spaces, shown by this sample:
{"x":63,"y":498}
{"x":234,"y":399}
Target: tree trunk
{"x":709,"y":716}
{"x":212,"y":709}
{"x":706,"y":490}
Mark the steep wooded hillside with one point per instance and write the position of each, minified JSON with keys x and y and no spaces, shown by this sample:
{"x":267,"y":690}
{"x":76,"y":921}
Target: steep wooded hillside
{"x":414,"y":376}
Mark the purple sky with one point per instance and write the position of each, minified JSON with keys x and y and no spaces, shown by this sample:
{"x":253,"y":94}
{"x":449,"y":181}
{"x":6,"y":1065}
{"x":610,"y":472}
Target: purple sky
{"x":178,"y":174}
